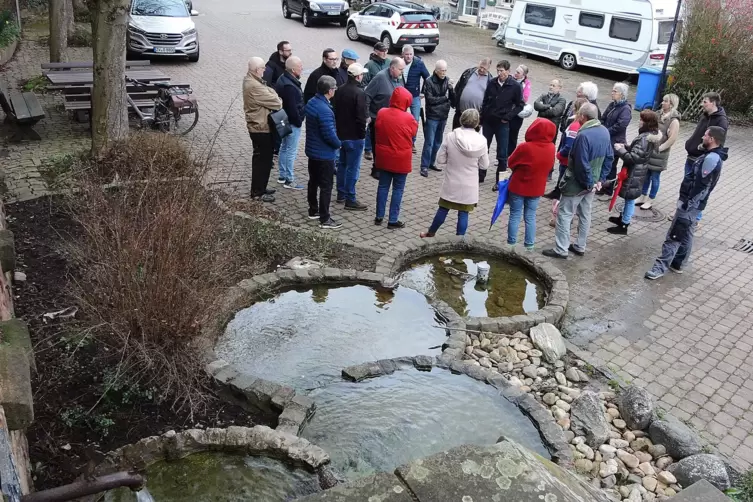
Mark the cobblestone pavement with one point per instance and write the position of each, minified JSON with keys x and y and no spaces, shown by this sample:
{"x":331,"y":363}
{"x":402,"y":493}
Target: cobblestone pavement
{"x":687,"y":338}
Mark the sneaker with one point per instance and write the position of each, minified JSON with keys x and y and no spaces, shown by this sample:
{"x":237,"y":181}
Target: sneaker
{"x":424,"y":172}
{"x":647,"y":205}
{"x":397,"y":224}
{"x":292,"y":186}
{"x":653,"y":275}
{"x":620,"y":229}
{"x":368,"y":156}
{"x":378,"y":221}
{"x":330,"y":224}
{"x":551,"y":253}
{"x":355,"y":206}
{"x":314,"y":215}
{"x":529,"y":249}
{"x":676,"y":269}
{"x":572,"y":249}
{"x":641,"y":200}
{"x":281,"y":180}
{"x":267,"y":198}
{"x":270,"y":191}
{"x":435,"y":168}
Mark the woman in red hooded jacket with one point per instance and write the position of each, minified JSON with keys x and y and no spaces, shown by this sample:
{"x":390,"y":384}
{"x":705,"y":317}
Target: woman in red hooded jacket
{"x":395,"y":129}
{"x":530,"y":163}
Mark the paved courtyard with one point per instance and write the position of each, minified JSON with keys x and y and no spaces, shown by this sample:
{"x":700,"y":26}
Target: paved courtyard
{"x":687,"y":338}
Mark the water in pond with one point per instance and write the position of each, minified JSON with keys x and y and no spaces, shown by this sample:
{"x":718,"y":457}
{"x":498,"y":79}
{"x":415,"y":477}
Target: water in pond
{"x":511,"y":290}
{"x":379,"y":424}
{"x":305,"y":338}
{"x":217,"y":477}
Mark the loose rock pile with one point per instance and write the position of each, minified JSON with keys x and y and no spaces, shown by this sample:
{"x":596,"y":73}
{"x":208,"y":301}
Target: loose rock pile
{"x":622,"y":444}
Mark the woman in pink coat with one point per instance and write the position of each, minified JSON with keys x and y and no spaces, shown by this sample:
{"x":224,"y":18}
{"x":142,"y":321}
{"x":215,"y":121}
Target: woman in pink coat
{"x":462,"y":154}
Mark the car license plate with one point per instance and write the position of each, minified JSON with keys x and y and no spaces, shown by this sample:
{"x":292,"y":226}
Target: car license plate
{"x":333,"y":13}
{"x":422,"y":41}
{"x":164,"y":50}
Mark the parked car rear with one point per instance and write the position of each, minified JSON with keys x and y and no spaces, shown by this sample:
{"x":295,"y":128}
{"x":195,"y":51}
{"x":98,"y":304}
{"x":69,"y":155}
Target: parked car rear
{"x":395,"y":24}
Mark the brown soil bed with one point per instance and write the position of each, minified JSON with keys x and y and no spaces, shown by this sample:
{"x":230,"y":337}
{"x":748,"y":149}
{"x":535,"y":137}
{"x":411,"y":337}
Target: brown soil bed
{"x":75,"y":420}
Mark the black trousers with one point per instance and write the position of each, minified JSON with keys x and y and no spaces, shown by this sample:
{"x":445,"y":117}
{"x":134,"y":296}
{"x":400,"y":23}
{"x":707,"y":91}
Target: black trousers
{"x":321,"y":173}
{"x":261,"y":162}
{"x":515,"y":125}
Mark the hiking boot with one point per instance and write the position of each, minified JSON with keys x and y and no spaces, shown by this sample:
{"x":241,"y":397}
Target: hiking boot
{"x":330,"y":224}
{"x":397,"y":224}
{"x":355,"y":206}
{"x":551,"y":253}
{"x":368,"y":156}
{"x":292,"y":186}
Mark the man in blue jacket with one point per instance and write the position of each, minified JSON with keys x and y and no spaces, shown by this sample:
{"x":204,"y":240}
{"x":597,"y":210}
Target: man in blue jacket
{"x":415,"y":71}
{"x":288,"y":87}
{"x":322,"y":145}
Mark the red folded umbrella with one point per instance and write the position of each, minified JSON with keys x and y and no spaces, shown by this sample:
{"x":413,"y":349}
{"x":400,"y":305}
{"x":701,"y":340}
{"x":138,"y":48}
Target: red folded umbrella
{"x":620,"y":178}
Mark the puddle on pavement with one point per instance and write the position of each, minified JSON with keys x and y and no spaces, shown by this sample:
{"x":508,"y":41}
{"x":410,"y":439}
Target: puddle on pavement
{"x":379,"y":424}
{"x":217,"y":477}
{"x":511,"y":289}
{"x":305,"y":338}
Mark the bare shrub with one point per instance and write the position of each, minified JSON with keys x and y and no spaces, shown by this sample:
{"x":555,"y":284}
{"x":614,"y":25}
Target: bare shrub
{"x":153,"y":255}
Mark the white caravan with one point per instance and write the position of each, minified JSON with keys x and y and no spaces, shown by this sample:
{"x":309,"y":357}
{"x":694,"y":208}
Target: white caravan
{"x":619,"y":35}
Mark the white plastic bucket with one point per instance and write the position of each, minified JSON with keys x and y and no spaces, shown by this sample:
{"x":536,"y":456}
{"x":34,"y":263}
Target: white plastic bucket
{"x":482,"y":272}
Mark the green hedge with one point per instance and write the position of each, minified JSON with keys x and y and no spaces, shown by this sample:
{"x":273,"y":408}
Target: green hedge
{"x":9,"y":31}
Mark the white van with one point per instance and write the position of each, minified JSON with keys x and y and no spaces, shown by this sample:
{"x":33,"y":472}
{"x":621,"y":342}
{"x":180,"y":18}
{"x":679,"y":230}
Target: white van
{"x":621,"y":35}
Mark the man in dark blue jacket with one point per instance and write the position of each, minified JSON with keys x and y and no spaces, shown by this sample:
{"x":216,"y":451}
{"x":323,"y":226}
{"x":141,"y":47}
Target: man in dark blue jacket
{"x":288,"y":87}
{"x":695,"y":190}
{"x":276,"y":64}
{"x":322,"y":145}
{"x":415,"y":71}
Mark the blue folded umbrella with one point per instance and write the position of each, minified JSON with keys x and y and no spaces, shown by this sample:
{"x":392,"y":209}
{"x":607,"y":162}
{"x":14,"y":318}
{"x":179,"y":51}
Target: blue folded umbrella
{"x":501,"y":199}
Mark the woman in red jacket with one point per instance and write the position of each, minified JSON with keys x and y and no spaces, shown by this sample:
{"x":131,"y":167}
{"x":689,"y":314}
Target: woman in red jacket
{"x":530,"y":164}
{"x":395,"y":129}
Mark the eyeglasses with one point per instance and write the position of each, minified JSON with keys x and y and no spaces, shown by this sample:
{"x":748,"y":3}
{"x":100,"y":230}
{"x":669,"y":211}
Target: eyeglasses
{"x":333,"y":59}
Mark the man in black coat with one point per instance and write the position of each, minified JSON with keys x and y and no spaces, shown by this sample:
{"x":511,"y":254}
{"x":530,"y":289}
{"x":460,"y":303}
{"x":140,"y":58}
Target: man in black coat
{"x":288,"y":87}
{"x":439,"y":96}
{"x":276,"y":65}
{"x":470,"y":89}
{"x":503,"y":101}
{"x":328,"y":68}
{"x":351,"y":117}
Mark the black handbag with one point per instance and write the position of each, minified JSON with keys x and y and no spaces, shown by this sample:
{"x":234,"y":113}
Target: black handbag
{"x":279,"y":123}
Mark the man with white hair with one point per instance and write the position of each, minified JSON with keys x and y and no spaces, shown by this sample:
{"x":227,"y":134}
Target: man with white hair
{"x":415,"y":70}
{"x":288,"y":87}
{"x":587,"y":90}
{"x":258,"y":102}
{"x":439,"y":96}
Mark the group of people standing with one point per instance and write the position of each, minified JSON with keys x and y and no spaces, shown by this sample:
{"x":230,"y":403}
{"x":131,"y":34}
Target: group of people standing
{"x":373,"y":112}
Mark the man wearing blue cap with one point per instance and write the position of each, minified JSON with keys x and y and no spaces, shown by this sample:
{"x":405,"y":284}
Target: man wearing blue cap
{"x":349,"y":57}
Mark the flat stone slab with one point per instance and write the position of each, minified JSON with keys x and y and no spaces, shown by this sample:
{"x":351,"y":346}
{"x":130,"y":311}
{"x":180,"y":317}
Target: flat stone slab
{"x":382,"y":487}
{"x":504,"y":472}
{"x":700,"y":491}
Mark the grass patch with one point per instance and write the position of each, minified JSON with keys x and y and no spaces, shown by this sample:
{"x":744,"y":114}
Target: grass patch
{"x":743,"y":490}
{"x":57,"y":170}
{"x":36,"y":84}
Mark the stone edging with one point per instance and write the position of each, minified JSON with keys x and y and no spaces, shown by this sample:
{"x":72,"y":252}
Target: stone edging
{"x":402,"y":254}
{"x":258,"y":440}
{"x":551,"y":433}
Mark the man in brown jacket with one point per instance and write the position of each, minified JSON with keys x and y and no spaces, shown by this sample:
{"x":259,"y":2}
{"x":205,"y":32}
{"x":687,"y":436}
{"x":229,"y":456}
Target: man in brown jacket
{"x":258,"y":102}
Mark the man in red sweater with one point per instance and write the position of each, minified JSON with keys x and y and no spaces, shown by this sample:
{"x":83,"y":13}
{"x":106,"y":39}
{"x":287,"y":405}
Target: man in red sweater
{"x":530,"y":164}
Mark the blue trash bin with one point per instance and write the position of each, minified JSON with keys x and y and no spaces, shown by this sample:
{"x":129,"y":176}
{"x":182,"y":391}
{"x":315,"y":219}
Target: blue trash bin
{"x":648,"y":84}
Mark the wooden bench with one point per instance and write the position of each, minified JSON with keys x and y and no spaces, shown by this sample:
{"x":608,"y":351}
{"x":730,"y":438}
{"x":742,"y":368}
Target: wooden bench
{"x":77,"y":99}
{"x":23,"y":110}
{"x":87,"y":66}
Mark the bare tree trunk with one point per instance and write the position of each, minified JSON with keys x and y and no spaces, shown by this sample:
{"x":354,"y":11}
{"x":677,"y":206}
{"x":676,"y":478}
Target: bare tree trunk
{"x":58,"y":32}
{"x":70,"y":20}
{"x":109,"y":109}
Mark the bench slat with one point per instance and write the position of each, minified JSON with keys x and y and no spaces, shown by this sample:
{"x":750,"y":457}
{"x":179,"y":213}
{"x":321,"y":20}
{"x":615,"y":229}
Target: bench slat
{"x":87,"y":105}
{"x":87,"y":65}
{"x":35,"y":107}
{"x":18,"y":104}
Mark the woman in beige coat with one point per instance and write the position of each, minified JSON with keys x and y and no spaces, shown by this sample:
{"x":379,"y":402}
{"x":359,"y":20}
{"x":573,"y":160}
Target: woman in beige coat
{"x":461,"y":155}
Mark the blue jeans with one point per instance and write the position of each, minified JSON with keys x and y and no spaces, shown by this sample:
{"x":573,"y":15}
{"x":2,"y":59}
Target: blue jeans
{"x":442,"y":215}
{"x":348,"y":168}
{"x":628,"y":211}
{"x":525,"y":207}
{"x":502,"y":133}
{"x":288,"y":153}
{"x":367,"y":146}
{"x":652,"y":180}
{"x":689,"y":163}
{"x":433,"y":135}
{"x":397,"y":181}
{"x":415,"y":110}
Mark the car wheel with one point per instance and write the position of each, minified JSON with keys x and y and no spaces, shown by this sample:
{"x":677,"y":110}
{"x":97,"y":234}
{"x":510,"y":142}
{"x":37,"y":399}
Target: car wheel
{"x":194,"y":58}
{"x":387,"y":41}
{"x":305,"y":18}
{"x":286,"y":10}
{"x":568,"y":61}
{"x":429,"y":50}
{"x":352,"y":32}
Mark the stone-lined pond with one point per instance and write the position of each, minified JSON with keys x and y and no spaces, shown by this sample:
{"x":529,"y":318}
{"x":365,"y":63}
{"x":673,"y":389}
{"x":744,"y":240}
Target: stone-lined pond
{"x":510,"y":290}
{"x":305,"y":338}
{"x":379,"y":424}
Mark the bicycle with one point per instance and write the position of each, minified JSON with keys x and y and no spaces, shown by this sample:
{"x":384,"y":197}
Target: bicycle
{"x":172,"y":108}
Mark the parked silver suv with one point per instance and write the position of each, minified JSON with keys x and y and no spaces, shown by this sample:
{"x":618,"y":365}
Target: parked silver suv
{"x":162,"y":28}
